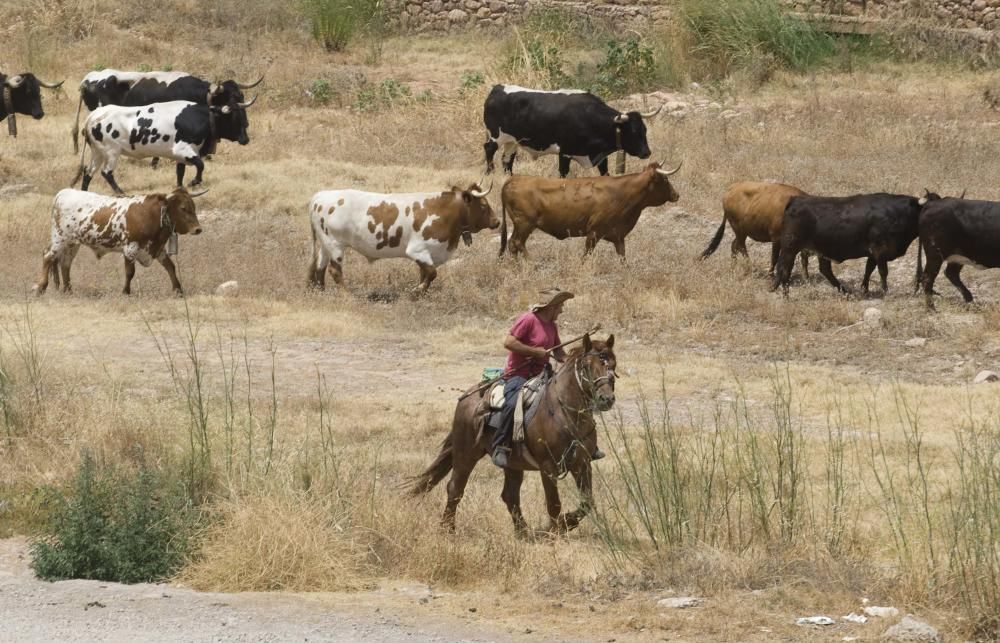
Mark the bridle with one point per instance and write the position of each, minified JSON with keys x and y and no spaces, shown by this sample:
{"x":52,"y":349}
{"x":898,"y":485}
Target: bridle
{"x":584,"y":378}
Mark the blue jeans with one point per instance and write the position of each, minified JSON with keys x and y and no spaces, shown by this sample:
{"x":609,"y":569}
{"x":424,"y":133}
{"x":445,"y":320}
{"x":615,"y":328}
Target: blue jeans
{"x":511,"y":388}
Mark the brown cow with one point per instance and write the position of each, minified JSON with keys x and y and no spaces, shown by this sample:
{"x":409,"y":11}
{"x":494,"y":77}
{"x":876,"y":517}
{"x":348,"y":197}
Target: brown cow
{"x":599,"y":207}
{"x":138,"y":227}
{"x":755,"y":210}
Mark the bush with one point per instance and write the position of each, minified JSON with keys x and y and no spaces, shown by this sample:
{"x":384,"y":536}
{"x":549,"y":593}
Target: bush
{"x":320,"y":91}
{"x":335,"y":22}
{"x":114,"y":526}
{"x":388,"y":93}
{"x":627,"y":67}
{"x":471,"y":81}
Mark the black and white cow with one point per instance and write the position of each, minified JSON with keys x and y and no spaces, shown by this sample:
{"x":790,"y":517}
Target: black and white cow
{"x":572,"y":123}
{"x":22,"y":95}
{"x":178,"y":130}
{"x":137,"y":88}
{"x":957,"y":232}
{"x":877,"y":226}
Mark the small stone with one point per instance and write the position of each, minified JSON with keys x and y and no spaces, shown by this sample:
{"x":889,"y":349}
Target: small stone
{"x":872,"y":317}
{"x":228,"y":289}
{"x":916,"y":342}
{"x":985,"y":376}
{"x":679,"y":602}
{"x":881,"y":612}
{"x":910,"y":630}
{"x":457,"y":15}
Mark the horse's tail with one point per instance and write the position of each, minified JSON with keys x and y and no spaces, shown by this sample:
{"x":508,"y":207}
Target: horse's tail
{"x":436,"y":472}
{"x":503,"y":226}
{"x":716,"y":240}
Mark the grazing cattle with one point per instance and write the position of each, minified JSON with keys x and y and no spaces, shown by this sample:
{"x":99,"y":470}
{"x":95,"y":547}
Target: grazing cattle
{"x":179,"y":130}
{"x":22,"y":95}
{"x":137,"y":88}
{"x":877,"y":226}
{"x":423,"y":226}
{"x":138,"y":227}
{"x":755,"y":210}
{"x":958,"y":232}
{"x":599,"y":207}
{"x":569,"y":122}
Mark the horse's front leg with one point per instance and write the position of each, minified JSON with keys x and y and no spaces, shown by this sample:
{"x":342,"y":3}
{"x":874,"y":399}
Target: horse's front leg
{"x":552,"y":502}
{"x":511,"y":496}
{"x":582,"y":476}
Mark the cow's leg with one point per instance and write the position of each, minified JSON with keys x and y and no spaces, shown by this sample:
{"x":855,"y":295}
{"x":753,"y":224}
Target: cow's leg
{"x":427,"y":274}
{"x":930,"y":274}
{"x":775,"y":251}
{"x":199,"y":166}
{"x":804,"y":256}
{"x":620,"y":248}
{"x":165,"y":261}
{"x":508,"y":155}
{"x":563,"y":165}
{"x":155,"y":162}
{"x":65,"y":264}
{"x":602,"y":166}
{"x":869,"y":269}
{"x":518,"y":238}
{"x":129,"y":275}
{"x":590,"y":243}
{"x":952,"y":272}
{"x":180,"y":174}
{"x":49,"y":260}
{"x":109,"y":176}
{"x":335,"y":252}
{"x":826,"y":269}
{"x":783,"y":271}
{"x":883,"y":274}
{"x":490,"y":147}
{"x":511,"y":496}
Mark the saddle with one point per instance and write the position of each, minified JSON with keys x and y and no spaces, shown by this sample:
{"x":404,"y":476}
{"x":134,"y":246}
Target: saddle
{"x":526,"y":406}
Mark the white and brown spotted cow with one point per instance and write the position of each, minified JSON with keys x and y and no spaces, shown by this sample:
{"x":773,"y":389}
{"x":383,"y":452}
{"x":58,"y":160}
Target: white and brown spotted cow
{"x":138,"y":227}
{"x":424,"y":226}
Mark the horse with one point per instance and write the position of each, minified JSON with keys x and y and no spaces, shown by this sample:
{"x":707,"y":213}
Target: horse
{"x":560,"y":438}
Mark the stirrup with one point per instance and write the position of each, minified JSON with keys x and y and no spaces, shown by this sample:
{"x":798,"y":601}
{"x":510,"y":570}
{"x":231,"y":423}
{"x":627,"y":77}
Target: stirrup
{"x":499,"y":457}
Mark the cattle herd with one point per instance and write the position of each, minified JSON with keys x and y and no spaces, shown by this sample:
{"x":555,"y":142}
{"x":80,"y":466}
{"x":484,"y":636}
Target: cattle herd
{"x":181,"y":117}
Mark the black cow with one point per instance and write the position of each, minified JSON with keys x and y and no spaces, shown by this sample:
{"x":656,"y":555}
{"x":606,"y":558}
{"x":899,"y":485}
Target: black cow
{"x":135,"y":89}
{"x":22,"y":95}
{"x":877,"y":226}
{"x":958,"y":232}
{"x":569,"y":122}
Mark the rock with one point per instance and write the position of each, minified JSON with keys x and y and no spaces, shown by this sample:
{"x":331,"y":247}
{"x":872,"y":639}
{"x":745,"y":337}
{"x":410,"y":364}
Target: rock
{"x":910,"y":630}
{"x":872,"y":317}
{"x":679,"y":602}
{"x":228,"y":289}
{"x":881,"y":612}
{"x":985,"y":376}
{"x":457,"y":15}
{"x":815,"y":620}
{"x":916,"y":342}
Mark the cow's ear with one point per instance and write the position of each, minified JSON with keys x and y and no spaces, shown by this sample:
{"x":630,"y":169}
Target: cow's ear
{"x":611,"y":341}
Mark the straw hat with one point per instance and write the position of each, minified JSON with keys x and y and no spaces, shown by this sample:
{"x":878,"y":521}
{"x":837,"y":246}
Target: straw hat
{"x":550,"y":297}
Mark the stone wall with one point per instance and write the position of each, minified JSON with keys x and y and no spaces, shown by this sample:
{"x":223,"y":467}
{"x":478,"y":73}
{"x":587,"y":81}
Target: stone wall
{"x":446,"y":15}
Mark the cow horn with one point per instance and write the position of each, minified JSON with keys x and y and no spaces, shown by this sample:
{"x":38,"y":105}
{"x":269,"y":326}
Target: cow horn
{"x":652,"y":113}
{"x":198,"y":193}
{"x":478,"y":194}
{"x":251,"y":85}
{"x":50,"y":85}
{"x":670,"y":172}
{"x":15,"y":81}
{"x":245,"y":105}
{"x":621,"y":118}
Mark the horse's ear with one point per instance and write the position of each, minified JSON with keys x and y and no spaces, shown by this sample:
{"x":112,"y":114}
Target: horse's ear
{"x":586,"y":344}
{"x":611,"y":341}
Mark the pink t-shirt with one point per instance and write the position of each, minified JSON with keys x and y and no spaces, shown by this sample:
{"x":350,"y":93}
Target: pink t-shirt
{"x":529,"y":329}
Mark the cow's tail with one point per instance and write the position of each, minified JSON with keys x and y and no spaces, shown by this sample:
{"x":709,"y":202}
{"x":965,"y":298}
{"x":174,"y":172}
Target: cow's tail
{"x":83,"y":156}
{"x":920,"y":266}
{"x":314,"y":272}
{"x":716,"y":240}
{"x":503,"y":226}
{"x":436,"y":472}
{"x":76,"y":126}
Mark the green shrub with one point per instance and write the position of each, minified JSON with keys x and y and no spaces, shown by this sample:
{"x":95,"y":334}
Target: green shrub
{"x":388,"y":93}
{"x":540,"y":60}
{"x":471,"y":81}
{"x":336,"y":22}
{"x":145,"y":67}
{"x":320,"y":91}
{"x":114,"y":526}
{"x":627,"y":67}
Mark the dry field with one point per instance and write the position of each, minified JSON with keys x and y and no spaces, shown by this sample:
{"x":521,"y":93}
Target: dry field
{"x":319,"y":405}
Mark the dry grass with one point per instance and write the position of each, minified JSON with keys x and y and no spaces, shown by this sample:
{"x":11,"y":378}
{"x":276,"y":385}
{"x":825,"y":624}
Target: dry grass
{"x":326,"y":513}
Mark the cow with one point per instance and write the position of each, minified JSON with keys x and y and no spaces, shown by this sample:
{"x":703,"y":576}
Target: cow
{"x":957,"y":232}
{"x":22,"y":95}
{"x":179,"y":130}
{"x":598,"y":207}
{"x":138,"y":227}
{"x":137,"y":88}
{"x":572,"y":123}
{"x":423,"y":226}
{"x":877,"y":226}
{"x":755,"y":210}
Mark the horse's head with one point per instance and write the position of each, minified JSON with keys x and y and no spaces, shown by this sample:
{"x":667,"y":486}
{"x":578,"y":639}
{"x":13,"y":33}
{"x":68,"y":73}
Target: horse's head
{"x":595,"y":371}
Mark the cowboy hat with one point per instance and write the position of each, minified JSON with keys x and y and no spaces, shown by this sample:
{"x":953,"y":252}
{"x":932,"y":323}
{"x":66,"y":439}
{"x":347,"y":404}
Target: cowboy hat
{"x":550,"y":297}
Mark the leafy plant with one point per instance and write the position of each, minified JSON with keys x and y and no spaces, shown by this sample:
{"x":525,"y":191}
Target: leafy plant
{"x":320,"y":91}
{"x":627,"y":67}
{"x":336,"y":22}
{"x":145,"y":67}
{"x":470,"y":81}
{"x":386,"y":94}
{"x":114,"y":526}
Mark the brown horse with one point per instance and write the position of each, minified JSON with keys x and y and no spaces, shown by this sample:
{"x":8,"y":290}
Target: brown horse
{"x":560,"y":438}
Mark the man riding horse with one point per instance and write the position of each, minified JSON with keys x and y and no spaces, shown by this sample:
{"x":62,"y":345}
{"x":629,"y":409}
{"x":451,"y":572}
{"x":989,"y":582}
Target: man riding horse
{"x":532,"y":340}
